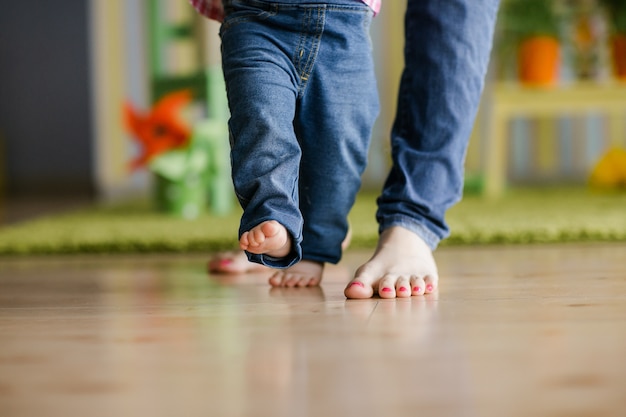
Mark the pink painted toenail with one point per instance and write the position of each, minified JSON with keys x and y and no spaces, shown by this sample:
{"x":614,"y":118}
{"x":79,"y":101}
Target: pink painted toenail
{"x":429,"y":287}
{"x":417,"y":289}
{"x":225,"y":262}
{"x":386,"y":289}
{"x":402,"y":289}
{"x":360,"y":284}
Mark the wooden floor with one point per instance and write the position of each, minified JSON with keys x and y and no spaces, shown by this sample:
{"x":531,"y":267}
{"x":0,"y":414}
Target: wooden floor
{"x":513,"y":331}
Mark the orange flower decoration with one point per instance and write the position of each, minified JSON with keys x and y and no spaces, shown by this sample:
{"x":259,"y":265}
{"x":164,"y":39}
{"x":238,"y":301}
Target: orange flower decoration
{"x":161,"y":129}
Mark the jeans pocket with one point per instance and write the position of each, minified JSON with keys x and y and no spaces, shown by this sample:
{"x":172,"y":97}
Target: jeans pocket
{"x":239,"y":11}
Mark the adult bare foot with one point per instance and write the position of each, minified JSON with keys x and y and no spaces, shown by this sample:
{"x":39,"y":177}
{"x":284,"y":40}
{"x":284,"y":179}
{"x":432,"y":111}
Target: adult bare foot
{"x":303,"y":274}
{"x":402,"y":265}
{"x":268,"y":238}
{"x":233,"y":263}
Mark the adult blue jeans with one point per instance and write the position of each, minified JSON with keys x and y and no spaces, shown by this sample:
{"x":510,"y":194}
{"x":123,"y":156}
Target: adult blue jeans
{"x":302,"y":96}
{"x":447,"y":48}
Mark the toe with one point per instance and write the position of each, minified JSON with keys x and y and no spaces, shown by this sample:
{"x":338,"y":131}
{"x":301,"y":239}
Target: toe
{"x":305,"y":281}
{"x":269,"y":228}
{"x":277,"y":279}
{"x":403,"y":288}
{"x":387,"y":287}
{"x":357,"y":289}
{"x":231,"y":263}
{"x":431,"y":284}
{"x":313,"y":282}
{"x":256,"y":237}
{"x":243,"y":240}
{"x":221,"y":265}
{"x":418,"y":286}
{"x":291,"y":281}
{"x":302,"y":282}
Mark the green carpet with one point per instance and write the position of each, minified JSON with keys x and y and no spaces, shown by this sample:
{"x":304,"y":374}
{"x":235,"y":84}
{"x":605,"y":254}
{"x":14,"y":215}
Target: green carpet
{"x":522,"y":216}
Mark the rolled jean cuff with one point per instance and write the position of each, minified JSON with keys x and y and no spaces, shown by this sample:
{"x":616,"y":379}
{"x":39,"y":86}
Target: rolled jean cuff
{"x":293,"y":258}
{"x":431,"y":239}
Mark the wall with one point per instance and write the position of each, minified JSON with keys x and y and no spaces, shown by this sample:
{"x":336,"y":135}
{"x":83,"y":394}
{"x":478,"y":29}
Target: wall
{"x":45,"y":116}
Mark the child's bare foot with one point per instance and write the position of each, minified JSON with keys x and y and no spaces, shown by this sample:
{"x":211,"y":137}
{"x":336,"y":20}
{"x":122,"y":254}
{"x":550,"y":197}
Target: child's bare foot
{"x":233,"y":263}
{"x":402,"y":265}
{"x":268,"y":238}
{"x":238,"y":263}
{"x":303,"y":274}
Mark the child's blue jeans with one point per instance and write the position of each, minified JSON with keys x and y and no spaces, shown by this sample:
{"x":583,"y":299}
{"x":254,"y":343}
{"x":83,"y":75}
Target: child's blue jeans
{"x":303,"y":99}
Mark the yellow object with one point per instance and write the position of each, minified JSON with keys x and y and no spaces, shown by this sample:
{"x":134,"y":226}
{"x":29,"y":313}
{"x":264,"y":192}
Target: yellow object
{"x":610,"y":171}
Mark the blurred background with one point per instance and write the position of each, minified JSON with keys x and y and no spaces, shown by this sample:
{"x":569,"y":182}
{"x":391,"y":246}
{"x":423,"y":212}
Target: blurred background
{"x":68,"y":67}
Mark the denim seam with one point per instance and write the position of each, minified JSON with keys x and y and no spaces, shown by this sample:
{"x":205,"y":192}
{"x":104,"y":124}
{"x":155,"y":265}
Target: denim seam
{"x":304,"y":71}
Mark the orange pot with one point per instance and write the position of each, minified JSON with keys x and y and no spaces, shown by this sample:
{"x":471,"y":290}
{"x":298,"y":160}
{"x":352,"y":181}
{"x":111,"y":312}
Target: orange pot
{"x":538,"y":61}
{"x":618,"y":50}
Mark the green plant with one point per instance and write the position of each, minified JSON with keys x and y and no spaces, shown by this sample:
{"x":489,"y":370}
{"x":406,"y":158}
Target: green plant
{"x":522,"y":19}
